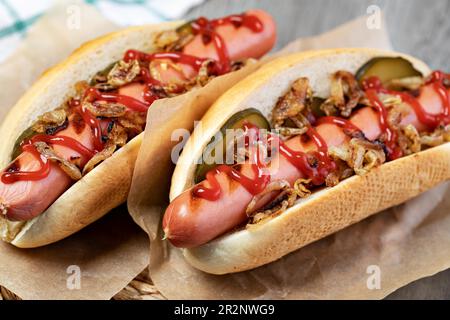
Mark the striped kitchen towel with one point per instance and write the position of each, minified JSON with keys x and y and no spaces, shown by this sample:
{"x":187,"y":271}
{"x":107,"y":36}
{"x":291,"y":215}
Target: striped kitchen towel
{"x":16,"y":16}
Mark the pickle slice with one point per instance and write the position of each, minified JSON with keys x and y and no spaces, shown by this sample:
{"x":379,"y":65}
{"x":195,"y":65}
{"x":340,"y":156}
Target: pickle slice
{"x":237,"y":121}
{"x":251,"y":115}
{"x":27,"y":134}
{"x":387,"y":69}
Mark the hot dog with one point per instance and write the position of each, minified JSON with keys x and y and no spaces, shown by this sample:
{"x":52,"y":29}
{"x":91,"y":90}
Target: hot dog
{"x":62,"y":146}
{"x":197,"y":215}
{"x":363,"y":125}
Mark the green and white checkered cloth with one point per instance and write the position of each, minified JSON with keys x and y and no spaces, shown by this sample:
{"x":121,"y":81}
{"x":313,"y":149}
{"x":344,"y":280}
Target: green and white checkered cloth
{"x":16,"y":16}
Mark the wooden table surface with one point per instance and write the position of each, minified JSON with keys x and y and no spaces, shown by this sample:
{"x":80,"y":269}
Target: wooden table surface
{"x":417,"y":27}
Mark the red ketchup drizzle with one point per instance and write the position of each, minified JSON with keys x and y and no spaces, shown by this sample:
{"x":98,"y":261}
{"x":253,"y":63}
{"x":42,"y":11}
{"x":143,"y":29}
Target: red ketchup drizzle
{"x":253,"y":185}
{"x":206,"y":28}
{"x":13,"y":176}
{"x":201,"y":26}
{"x":93,"y":94}
{"x":316,"y":165}
{"x":94,"y":124}
{"x":150,"y":82}
{"x":66,"y":142}
{"x":373,"y":86}
{"x":177,"y":57}
{"x":430,"y":120}
{"x":437,"y":79}
{"x":149,"y":96}
{"x":28,"y":146}
{"x":394,"y":151}
{"x":340,"y":122}
{"x":44,"y":170}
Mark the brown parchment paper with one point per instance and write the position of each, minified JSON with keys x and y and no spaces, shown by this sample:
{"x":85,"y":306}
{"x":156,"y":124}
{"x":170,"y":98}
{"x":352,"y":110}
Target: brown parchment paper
{"x":400,"y":245}
{"x":109,"y":253}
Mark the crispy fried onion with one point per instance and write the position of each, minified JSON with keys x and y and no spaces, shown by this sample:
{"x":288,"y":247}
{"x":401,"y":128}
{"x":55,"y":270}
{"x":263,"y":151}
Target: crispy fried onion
{"x":156,"y":65}
{"x":289,"y":109}
{"x":117,"y":137}
{"x":407,"y":83}
{"x":395,"y":114}
{"x":343,"y":171}
{"x":389,"y":101}
{"x":68,"y":167}
{"x":103,"y":86}
{"x":345,"y":95}
{"x":133,"y":122}
{"x":172,"y":41}
{"x":106,"y":152}
{"x":167,"y":89}
{"x":203,"y":76}
{"x":206,"y":73}
{"x":284,"y":200}
{"x":396,"y":111}
{"x":123,"y":73}
{"x":80,"y":89}
{"x":411,"y":141}
{"x":439,"y":136}
{"x":106,"y":109}
{"x":3,"y":209}
{"x":359,"y":154}
{"x":50,"y":121}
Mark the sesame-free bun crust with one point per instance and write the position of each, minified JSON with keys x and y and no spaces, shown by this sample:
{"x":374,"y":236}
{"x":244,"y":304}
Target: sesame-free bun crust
{"x":326,"y":211}
{"x":108,"y":184}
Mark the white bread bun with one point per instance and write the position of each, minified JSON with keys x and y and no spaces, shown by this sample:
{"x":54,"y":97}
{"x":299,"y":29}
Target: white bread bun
{"x":108,"y":184}
{"x":326,"y":211}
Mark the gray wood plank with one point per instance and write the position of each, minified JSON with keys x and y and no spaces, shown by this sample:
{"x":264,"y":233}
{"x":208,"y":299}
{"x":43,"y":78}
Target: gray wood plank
{"x":417,"y":27}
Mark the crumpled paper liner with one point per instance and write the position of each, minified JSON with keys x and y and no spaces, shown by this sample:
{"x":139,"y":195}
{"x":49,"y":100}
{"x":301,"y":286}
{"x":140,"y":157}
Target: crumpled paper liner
{"x":112,"y":251}
{"x":401,"y":244}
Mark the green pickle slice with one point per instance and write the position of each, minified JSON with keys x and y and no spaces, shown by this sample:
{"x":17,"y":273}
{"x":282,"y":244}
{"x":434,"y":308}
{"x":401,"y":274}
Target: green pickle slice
{"x":27,"y":134}
{"x":237,"y":121}
{"x":387,"y":69}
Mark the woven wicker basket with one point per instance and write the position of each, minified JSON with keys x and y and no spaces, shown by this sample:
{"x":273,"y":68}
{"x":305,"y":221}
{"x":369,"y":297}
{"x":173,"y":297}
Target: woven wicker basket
{"x":141,"y":288}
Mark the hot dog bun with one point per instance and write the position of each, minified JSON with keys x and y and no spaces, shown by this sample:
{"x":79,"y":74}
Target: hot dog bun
{"x":326,"y":211}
